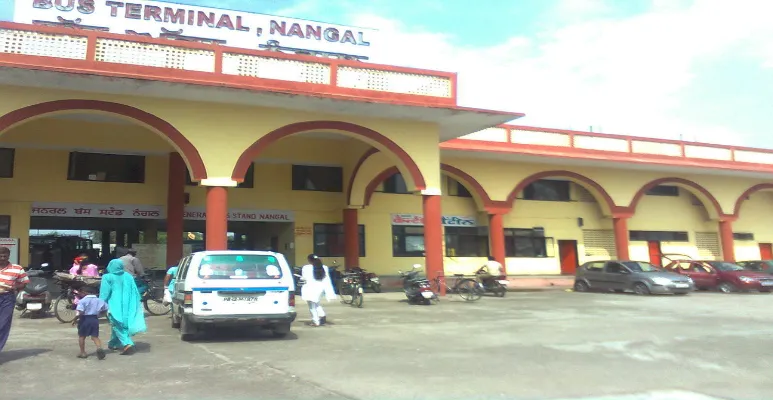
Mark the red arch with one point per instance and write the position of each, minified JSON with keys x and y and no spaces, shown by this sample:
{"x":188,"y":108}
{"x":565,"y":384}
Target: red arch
{"x":681,"y":181}
{"x":750,"y":191}
{"x":470,"y":183}
{"x":371,"y":151}
{"x":563,"y":174}
{"x":188,"y":150}
{"x":371,"y":188}
{"x":256,"y":148}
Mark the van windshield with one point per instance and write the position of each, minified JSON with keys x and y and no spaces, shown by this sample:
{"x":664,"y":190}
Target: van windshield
{"x":240,"y":266}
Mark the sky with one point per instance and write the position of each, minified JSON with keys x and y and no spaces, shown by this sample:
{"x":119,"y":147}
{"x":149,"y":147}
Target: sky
{"x":699,"y":70}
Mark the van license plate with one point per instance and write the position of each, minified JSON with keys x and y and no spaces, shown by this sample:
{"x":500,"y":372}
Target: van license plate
{"x":241,"y":298}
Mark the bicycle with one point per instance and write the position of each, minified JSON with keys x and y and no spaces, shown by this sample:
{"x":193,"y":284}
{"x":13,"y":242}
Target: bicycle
{"x":467,"y":288}
{"x":153,"y":298}
{"x":350,"y":289}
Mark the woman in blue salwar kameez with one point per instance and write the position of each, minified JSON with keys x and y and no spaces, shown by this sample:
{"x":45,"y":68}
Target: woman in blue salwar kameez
{"x":126,"y":315}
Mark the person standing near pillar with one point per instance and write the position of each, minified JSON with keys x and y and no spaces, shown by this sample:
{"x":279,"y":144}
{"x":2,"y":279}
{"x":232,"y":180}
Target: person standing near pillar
{"x":12,"y":279}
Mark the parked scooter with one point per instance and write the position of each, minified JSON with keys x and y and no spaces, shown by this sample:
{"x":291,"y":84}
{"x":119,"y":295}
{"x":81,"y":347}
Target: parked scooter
{"x":35,"y":299}
{"x":417,"y":288}
{"x":369,"y":279}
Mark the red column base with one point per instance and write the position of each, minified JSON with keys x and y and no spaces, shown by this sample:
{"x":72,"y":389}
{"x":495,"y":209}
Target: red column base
{"x":433,"y":240}
{"x":217,"y":218}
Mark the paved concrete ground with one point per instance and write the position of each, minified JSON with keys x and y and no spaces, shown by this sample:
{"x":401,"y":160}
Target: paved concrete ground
{"x":536,"y":345}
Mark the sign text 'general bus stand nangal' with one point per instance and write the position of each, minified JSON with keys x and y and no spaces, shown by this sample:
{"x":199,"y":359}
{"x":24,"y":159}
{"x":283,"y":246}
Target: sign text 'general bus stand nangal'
{"x":209,"y":25}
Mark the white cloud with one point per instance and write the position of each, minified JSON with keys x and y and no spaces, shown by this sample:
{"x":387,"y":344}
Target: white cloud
{"x":624,"y":75}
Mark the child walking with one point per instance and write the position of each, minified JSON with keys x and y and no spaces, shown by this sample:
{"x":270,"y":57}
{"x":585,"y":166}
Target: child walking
{"x":87,"y":318}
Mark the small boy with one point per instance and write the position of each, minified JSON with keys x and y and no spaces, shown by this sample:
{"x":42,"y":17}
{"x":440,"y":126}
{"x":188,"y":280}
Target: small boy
{"x":87,"y":318}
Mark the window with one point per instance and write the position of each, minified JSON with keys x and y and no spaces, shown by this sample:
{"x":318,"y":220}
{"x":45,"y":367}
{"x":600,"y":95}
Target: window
{"x":7,"y":157}
{"x":182,"y":269}
{"x":594,"y":266}
{"x":106,"y":167}
{"x":329,"y":240}
{"x":616,"y":268}
{"x":249,"y":179}
{"x":743,"y":236}
{"x":658,"y":236}
{"x":5,"y":226}
{"x":664,"y":190}
{"x":395,"y":184}
{"x":240,"y":266}
{"x":466,"y":241}
{"x":530,"y":243}
{"x":547,"y":190}
{"x":457,"y":189}
{"x":407,"y":241}
{"x":322,"y":179}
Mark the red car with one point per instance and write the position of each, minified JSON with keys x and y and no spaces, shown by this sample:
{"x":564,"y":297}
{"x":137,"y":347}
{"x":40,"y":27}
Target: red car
{"x":723,"y":276}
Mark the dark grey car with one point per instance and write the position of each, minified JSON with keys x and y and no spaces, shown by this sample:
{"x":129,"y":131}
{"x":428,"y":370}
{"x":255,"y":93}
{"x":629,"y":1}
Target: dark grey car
{"x":638,"y":276}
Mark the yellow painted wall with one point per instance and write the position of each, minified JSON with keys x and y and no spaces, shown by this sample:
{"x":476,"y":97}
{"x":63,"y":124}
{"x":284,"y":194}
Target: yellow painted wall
{"x":664,"y":213}
{"x":41,"y":164}
{"x":207,"y":124}
{"x":500,"y":177}
{"x":560,"y":221}
{"x":755,"y":217}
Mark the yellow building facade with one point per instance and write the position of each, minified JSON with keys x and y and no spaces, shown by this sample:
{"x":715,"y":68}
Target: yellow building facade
{"x":372,"y":176}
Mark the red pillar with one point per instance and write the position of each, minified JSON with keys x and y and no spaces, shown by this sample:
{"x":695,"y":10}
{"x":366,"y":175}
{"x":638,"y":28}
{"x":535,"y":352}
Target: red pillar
{"x":217,"y":218}
{"x":351,"y":239}
{"x":727,"y":240}
{"x":496,"y":233}
{"x":433,"y":238}
{"x":620,"y":225}
{"x":175,"y":209}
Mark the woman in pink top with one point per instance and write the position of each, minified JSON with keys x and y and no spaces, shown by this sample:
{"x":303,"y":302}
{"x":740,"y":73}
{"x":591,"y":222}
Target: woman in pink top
{"x":86,"y":268}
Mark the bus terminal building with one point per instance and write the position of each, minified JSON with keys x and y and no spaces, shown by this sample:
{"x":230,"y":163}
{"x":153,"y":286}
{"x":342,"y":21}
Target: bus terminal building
{"x":376,"y":166}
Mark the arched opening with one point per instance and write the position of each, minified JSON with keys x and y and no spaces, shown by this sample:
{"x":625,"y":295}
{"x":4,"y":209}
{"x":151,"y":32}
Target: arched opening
{"x":753,"y":235}
{"x":87,"y":176}
{"x":559,"y":220}
{"x":674,"y":216}
{"x":466,"y":242}
{"x":403,"y":160}
{"x":293,"y":189}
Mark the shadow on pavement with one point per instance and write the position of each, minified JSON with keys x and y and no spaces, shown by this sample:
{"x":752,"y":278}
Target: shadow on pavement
{"x":239,"y":336}
{"x":13,"y":355}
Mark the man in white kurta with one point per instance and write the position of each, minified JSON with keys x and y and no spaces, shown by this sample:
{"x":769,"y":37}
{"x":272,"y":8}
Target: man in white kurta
{"x":313,"y":290}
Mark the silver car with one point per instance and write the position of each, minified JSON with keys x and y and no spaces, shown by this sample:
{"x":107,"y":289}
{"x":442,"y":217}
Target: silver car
{"x":638,"y":276}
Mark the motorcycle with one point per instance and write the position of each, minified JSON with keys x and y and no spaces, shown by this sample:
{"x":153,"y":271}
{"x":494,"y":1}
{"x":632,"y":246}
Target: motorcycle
{"x":369,"y":279}
{"x":417,"y":289}
{"x":496,"y":285}
{"x":35,"y":299}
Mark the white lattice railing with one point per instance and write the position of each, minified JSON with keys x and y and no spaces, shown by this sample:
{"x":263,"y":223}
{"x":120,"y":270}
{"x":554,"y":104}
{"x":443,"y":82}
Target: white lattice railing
{"x":276,"y":68}
{"x":153,"y":55}
{"x":639,"y":146}
{"x":223,"y":63}
{"x":32,"y":43}
{"x":394,"y":82}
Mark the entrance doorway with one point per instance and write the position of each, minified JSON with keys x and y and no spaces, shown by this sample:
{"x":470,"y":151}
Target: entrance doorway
{"x":567,"y":251}
{"x":656,"y":255}
{"x":766,"y":251}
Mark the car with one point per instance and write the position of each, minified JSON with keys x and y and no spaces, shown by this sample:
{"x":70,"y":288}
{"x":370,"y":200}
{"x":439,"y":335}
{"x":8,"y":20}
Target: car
{"x":764,"y":266}
{"x":640,"y":277}
{"x":233,"y":288}
{"x":724,"y":276}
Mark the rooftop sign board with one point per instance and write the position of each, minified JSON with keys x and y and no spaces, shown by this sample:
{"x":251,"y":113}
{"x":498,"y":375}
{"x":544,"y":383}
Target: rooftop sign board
{"x":200,"y":24}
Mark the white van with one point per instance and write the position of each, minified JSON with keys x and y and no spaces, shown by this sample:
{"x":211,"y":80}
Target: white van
{"x":233,"y":288}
